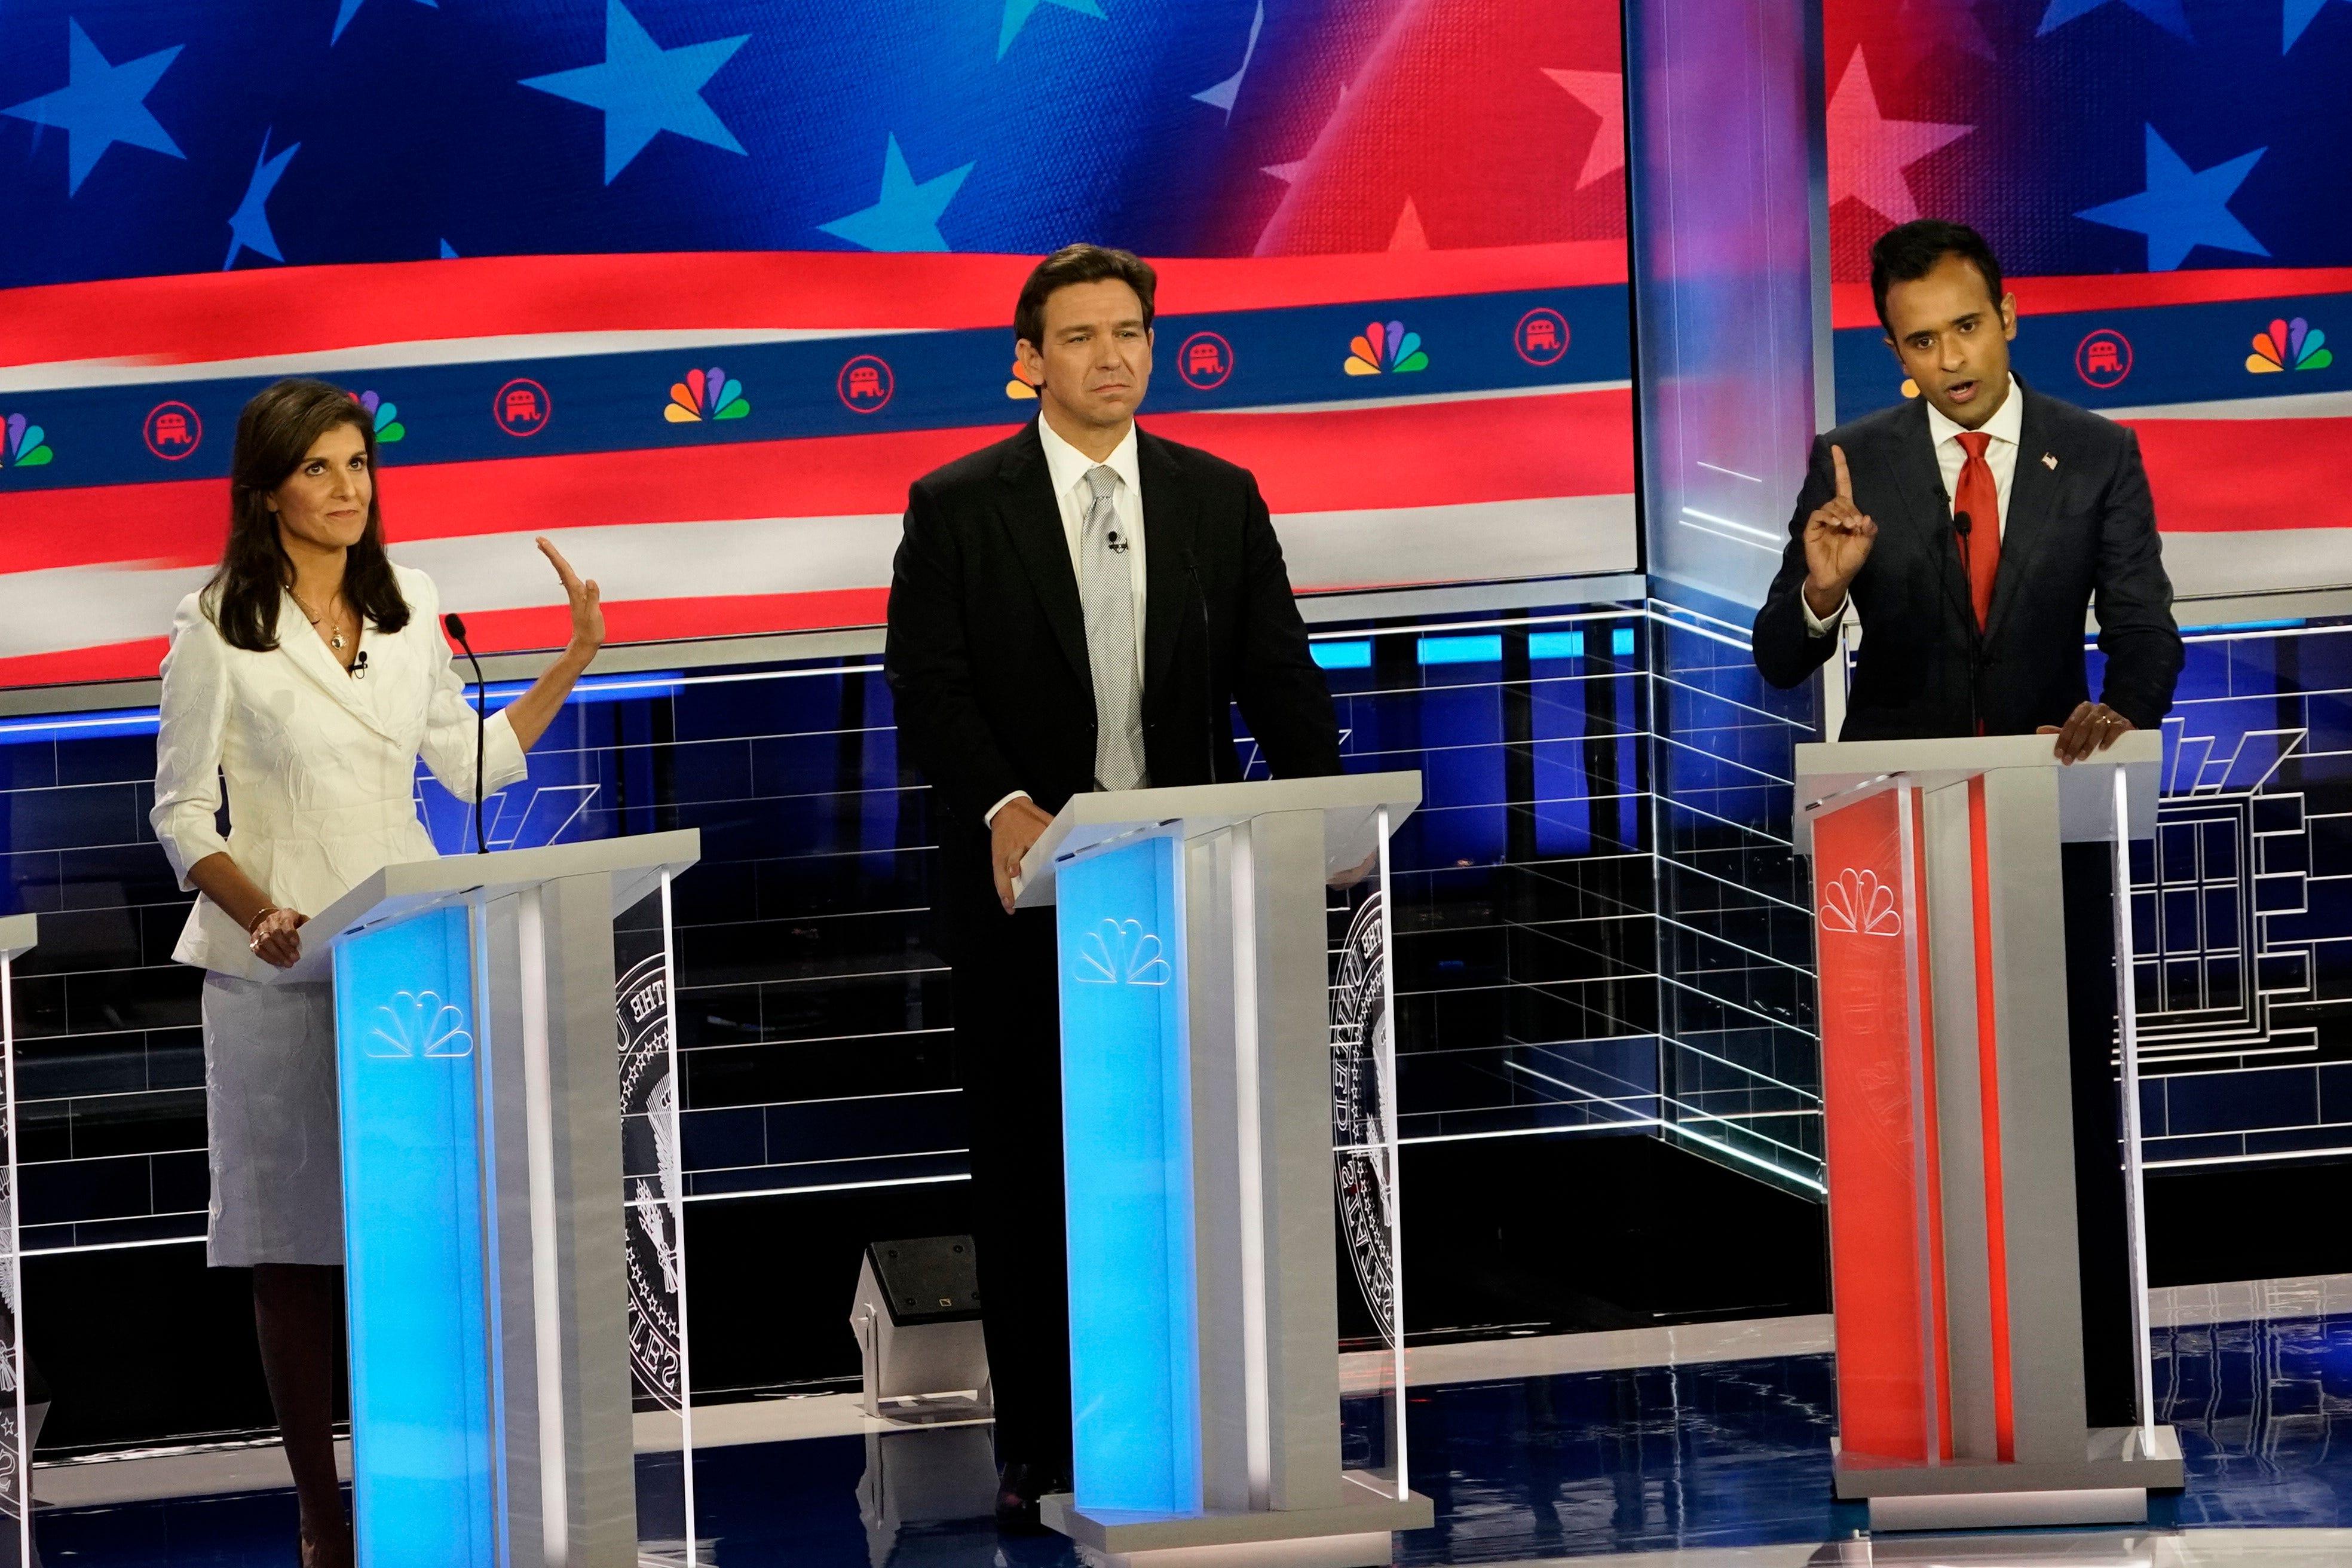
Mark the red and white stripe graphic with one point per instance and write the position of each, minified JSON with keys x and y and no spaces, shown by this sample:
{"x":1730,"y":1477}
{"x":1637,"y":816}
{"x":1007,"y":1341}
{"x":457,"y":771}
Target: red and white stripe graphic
{"x":765,"y":536}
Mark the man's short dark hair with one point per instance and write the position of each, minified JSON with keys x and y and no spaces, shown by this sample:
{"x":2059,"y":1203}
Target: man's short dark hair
{"x":1910,"y":251}
{"x":1079,"y":263}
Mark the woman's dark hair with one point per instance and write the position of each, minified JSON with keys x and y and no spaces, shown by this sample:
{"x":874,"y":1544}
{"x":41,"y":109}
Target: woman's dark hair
{"x":273,"y":434}
{"x":1079,"y":263}
{"x":1908,"y":253}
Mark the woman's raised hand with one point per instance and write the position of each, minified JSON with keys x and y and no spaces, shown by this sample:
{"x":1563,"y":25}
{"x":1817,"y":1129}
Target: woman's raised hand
{"x":587,"y":602}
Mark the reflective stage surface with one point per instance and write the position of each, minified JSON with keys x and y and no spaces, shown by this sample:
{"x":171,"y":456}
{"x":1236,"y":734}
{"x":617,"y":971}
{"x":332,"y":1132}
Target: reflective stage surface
{"x":1724,"y":1464}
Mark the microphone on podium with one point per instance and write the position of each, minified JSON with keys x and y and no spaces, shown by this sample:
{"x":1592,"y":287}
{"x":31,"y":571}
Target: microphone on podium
{"x":457,"y":629}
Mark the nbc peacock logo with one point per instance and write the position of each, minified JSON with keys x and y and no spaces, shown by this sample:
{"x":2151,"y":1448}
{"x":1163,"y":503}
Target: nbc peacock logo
{"x":1386,"y":348}
{"x":418,"y":1023}
{"x":1121,"y":953}
{"x":2290,"y":345}
{"x":384,"y":416}
{"x":25,"y":445}
{"x":705,"y":395}
{"x":1020,"y":386}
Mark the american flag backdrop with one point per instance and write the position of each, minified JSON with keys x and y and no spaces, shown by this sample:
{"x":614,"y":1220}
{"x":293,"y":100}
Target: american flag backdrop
{"x":699,"y":285}
{"x":2166,"y":183}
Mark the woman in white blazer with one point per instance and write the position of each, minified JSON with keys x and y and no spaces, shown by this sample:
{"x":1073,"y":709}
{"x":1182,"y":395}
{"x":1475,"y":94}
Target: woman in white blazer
{"x":309,"y":674}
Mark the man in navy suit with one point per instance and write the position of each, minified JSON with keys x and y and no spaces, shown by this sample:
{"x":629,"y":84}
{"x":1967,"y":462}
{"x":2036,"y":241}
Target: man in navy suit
{"x":1971,"y":529}
{"x":1077,"y":606}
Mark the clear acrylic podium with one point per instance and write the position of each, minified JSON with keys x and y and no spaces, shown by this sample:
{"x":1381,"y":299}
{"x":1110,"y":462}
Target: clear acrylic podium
{"x":1199,"y":1065}
{"x":488,"y":1225}
{"x":1948,"y":1126}
{"x":20,"y":1415}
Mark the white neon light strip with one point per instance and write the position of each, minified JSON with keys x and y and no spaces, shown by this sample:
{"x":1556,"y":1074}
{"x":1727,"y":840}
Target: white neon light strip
{"x":677,"y":1212}
{"x":539,"y":1139}
{"x":1385,"y":1065}
{"x":1257,"y":1399}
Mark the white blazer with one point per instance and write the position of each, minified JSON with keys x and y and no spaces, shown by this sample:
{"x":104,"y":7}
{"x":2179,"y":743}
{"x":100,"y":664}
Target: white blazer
{"x":321,"y":768}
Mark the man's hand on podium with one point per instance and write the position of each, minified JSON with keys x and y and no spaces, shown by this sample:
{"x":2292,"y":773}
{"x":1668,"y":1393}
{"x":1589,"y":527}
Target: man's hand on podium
{"x":2092,"y":727}
{"x":1018,"y":823}
{"x":1355,"y":874}
{"x":1838,"y":538}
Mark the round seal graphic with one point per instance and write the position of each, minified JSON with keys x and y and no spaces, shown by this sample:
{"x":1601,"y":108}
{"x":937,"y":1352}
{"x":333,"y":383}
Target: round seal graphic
{"x":1362,"y":1107}
{"x":650,"y":1157}
{"x":2104,"y":358}
{"x":172,"y":431}
{"x":522,"y":407}
{"x":1541,"y":336}
{"x":1204,"y":360}
{"x":865,"y":384}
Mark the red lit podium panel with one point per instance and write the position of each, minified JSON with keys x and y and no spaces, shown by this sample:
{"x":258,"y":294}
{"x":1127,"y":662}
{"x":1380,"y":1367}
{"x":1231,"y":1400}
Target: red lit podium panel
{"x":1949,"y":1140}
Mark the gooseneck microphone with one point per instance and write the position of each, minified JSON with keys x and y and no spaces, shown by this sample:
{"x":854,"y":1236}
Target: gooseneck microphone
{"x":456,"y":629}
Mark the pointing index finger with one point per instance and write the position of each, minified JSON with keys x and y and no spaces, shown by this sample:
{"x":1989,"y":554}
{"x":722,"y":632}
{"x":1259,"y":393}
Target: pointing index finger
{"x":1845,"y":480}
{"x":555,"y":558}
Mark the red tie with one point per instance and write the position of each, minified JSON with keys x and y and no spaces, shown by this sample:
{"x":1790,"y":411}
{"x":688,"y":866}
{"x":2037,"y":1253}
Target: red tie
{"x":1978,"y":496}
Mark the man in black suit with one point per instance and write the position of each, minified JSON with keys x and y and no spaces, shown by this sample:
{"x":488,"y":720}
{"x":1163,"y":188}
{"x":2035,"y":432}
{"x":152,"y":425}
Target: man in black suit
{"x":1971,"y":528}
{"x":1073,"y":609}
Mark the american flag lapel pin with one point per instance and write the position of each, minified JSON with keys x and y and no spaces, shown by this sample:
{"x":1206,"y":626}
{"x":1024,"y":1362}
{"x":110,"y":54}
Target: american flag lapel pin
{"x":2049,"y":461}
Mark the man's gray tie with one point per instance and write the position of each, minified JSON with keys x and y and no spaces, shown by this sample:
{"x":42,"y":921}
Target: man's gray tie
{"x":1107,"y":589}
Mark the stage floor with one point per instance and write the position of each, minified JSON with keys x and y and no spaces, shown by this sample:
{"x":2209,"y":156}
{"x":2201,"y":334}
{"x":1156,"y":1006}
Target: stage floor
{"x":1707,"y":1448}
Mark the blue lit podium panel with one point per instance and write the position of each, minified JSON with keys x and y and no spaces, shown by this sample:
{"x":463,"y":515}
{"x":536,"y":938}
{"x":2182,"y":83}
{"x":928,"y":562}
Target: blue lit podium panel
{"x":1198,"y":1127}
{"x":484,"y":1244}
{"x":21,"y":1404}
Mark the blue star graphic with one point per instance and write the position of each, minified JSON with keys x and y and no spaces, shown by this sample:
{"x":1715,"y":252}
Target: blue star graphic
{"x":248,"y":227}
{"x":102,"y":104}
{"x":2167,"y":15}
{"x":2297,"y":15}
{"x":1224,"y":94}
{"x":347,"y":9}
{"x":645,"y":89}
{"x":1018,"y":12}
{"x":2182,"y":209}
{"x":906,"y":217}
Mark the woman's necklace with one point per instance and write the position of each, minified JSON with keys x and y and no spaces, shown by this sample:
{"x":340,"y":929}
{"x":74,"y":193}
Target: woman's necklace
{"x":335,"y":637}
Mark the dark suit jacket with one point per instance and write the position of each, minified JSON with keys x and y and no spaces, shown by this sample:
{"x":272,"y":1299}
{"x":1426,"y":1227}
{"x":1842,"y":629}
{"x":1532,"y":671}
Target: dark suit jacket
{"x":987,"y":649}
{"x":2080,"y":532}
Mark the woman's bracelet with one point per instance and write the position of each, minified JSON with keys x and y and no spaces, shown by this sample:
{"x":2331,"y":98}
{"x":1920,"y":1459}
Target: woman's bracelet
{"x":254,"y":924}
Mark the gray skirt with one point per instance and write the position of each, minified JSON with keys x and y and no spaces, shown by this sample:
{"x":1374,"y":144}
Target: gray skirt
{"x":269,"y":1109}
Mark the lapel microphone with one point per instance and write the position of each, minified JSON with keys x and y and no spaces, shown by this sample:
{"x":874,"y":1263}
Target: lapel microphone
{"x":457,"y":629}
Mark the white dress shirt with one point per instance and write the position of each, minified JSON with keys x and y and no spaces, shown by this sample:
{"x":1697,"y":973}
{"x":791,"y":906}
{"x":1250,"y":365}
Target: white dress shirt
{"x":320,"y":769}
{"x":1068,"y":468}
{"x":2000,"y":456}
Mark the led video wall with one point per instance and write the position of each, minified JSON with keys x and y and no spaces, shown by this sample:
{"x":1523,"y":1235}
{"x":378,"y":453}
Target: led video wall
{"x":2162,"y":180}
{"x":698,"y":289}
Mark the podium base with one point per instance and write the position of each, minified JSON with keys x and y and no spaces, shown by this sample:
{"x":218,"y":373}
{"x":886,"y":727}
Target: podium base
{"x":1354,"y":1534}
{"x":2109,"y":1485}
{"x":2009,"y":1510}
